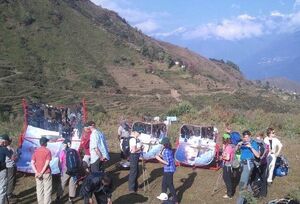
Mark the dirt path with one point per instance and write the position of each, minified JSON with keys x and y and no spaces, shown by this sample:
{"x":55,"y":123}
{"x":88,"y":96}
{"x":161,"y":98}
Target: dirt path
{"x":193,"y":186}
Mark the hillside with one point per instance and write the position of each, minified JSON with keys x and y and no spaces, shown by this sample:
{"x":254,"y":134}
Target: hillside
{"x":283,"y":84}
{"x":62,"y":51}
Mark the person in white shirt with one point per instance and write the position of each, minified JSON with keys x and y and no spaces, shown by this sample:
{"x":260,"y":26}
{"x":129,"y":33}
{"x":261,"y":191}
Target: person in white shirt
{"x":135,"y":151}
{"x":275,"y":149}
{"x":98,"y":148}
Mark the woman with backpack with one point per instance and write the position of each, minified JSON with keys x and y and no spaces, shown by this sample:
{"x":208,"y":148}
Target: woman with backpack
{"x":167,"y":158}
{"x":227,"y":157}
{"x":69,"y":162}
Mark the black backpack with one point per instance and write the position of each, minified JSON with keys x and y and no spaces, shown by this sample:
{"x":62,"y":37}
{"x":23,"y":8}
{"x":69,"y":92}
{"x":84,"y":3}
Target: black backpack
{"x":72,"y":162}
{"x":262,"y":152}
{"x":125,"y":146}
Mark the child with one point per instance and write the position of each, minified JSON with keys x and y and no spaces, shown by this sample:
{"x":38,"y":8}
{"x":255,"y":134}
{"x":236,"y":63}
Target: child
{"x":167,"y":158}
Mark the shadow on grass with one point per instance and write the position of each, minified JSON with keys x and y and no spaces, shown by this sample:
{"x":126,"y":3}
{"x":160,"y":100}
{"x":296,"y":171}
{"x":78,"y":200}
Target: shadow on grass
{"x":186,"y":184}
{"x":131,"y":198}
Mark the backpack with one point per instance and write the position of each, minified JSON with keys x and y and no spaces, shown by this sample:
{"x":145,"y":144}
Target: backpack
{"x":125,"y":146}
{"x":235,"y":138}
{"x":262,"y":152}
{"x":281,"y":166}
{"x":235,"y":163}
{"x":72,"y":162}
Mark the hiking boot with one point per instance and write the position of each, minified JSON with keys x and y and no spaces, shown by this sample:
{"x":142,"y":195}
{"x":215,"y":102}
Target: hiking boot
{"x":162,"y":196}
{"x":70,"y":201}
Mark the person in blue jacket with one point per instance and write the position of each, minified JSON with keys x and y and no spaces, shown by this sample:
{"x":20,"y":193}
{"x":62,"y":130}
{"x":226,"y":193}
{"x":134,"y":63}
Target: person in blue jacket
{"x":249,"y":150}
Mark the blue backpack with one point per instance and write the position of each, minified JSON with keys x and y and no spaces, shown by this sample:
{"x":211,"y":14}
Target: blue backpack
{"x":235,"y":138}
{"x":72,"y":162}
{"x":281,"y":166}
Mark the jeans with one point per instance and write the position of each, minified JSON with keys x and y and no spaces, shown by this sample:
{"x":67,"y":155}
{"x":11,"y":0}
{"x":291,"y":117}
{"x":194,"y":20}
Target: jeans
{"x":3,"y":184}
{"x":97,"y":166}
{"x":244,"y":181}
{"x":228,"y":180}
{"x":134,"y":171}
{"x":167,"y":183}
{"x":11,"y":180}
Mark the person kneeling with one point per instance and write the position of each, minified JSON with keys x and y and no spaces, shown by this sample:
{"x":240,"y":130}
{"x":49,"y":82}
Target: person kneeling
{"x":99,"y":184}
{"x":167,"y":158}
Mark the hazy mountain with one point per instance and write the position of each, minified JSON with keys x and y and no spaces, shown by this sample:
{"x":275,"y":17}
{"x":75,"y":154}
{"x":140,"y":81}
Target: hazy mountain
{"x":284,"y":84}
{"x":258,"y":58}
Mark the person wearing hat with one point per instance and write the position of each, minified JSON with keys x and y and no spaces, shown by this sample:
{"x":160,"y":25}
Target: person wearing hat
{"x":135,"y":148}
{"x":167,"y":158}
{"x":4,"y":152}
{"x":98,"y":148}
{"x":11,"y":168}
{"x":40,"y":165}
{"x":65,"y":176}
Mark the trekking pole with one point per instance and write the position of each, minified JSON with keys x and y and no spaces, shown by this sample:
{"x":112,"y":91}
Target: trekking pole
{"x":216,"y":189}
{"x":145,"y":176}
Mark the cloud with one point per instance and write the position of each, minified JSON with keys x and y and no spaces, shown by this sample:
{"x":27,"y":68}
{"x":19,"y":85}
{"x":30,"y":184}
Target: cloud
{"x":244,"y":26}
{"x":175,"y":32}
{"x":146,"y":21}
{"x":147,"y":26}
{"x":272,"y":60}
{"x":277,"y":14}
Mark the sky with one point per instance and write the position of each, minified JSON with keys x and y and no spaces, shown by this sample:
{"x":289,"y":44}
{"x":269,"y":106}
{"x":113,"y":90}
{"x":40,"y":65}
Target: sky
{"x":229,"y":29}
{"x":203,"y":19}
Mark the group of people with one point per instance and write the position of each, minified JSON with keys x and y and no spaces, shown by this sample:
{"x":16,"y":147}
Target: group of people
{"x":256,"y":156}
{"x":249,"y":161}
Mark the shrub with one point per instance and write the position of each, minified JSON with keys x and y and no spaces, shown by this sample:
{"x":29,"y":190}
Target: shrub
{"x":28,"y":19}
{"x":181,"y":109}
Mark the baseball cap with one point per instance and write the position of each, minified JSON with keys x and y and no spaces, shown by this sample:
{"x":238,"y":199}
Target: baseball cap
{"x":165,"y":140}
{"x":137,"y":129}
{"x":43,"y":140}
{"x":226,"y":136}
{"x":5,"y":137}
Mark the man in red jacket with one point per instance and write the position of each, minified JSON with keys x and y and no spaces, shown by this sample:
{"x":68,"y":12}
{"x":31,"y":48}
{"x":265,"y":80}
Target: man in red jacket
{"x":85,"y":147}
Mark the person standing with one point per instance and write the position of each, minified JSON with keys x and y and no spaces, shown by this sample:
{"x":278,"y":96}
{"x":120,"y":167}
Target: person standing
{"x":11,"y":168}
{"x":66,"y":176}
{"x":261,"y":169}
{"x":275,"y":148}
{"x":100,"y":185}
{"x":40,"y":165}
{"x":123,"y":136}
{"x":167,"y":158}
{"x":135,"y":148}
{"x":249,"y":150}
{"x":227,"y":157}
{"x":98,"y":148}
{"x":85,"y":146}
{"x":4,"y":152}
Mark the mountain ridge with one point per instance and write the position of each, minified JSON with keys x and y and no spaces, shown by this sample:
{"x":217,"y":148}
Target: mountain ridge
{"x":61,"y":51}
